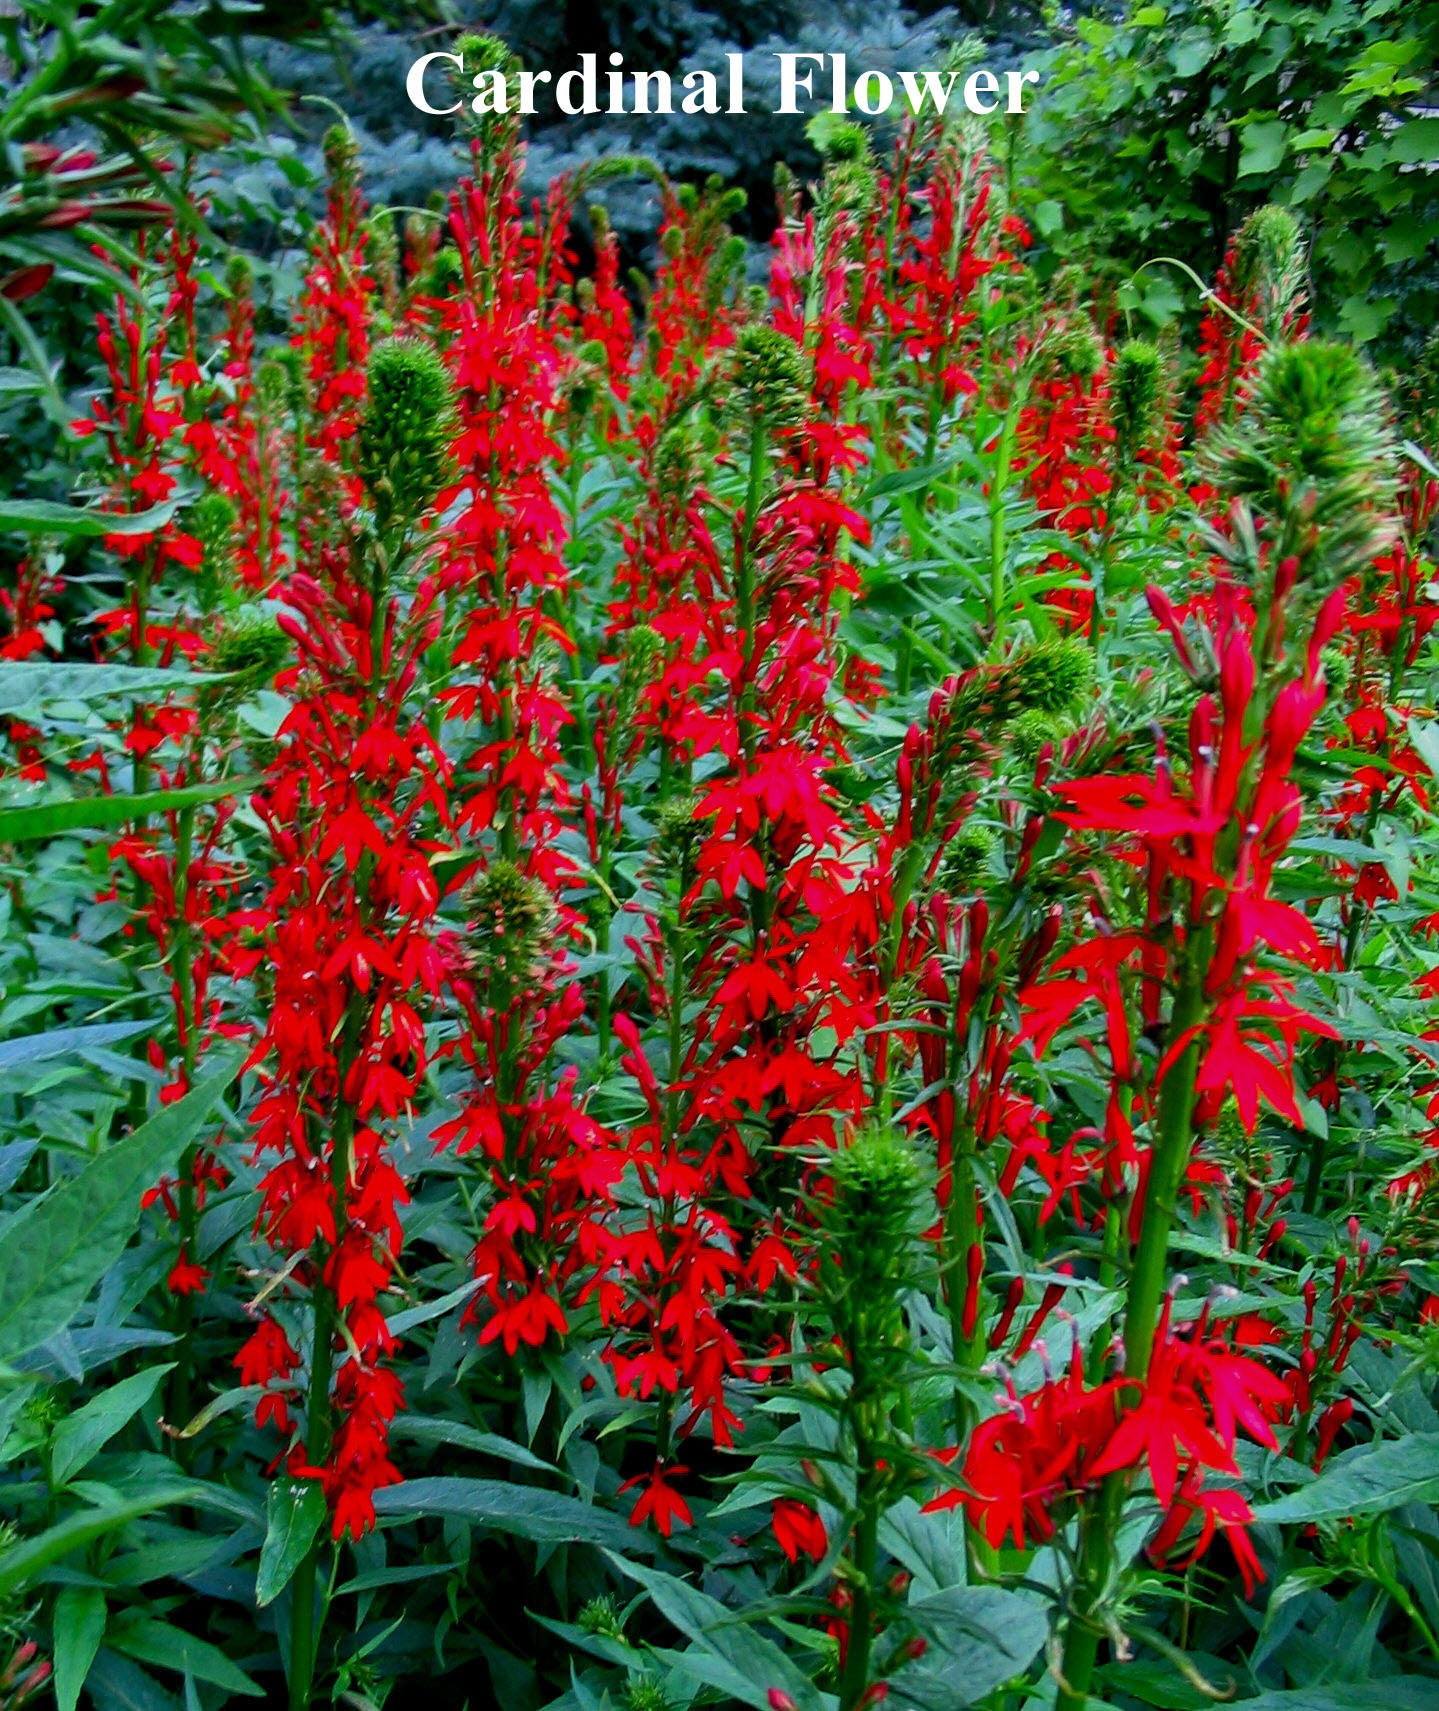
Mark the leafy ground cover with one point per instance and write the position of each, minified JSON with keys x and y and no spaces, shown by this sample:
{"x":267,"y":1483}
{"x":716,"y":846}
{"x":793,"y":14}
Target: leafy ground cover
{"x":721,"y":995}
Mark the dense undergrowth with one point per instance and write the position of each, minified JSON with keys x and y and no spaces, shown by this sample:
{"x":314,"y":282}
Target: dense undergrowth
{"x":723,"y":1000}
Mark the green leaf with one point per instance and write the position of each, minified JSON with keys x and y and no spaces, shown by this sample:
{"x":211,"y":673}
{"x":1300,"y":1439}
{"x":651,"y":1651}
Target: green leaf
{"x":1364,"y":1481}
{"x":1393,"y":1693}
{"x":1048,"y":217}
{"x":49,"y":819}
{"x":81,"y":1436}
{"x":79,"y":1629}
{"x":1416,"y":142}
{"x":58,"y":1247}
{"x":20,"y":1564}
{"x":737,"y":1660}
{"x":28,"y":684}
{"x":159,"y":1643}
{"x":49,"y":517}
{"x":59,"y":1042}
{"x":1262,"y":148}
{"x":294,"y":1512}
{"x":525,"y":1512}
{"x":979,"y":1636}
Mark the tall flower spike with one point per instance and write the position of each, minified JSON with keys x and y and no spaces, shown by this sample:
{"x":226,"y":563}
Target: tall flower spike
{"x":406,"y":429}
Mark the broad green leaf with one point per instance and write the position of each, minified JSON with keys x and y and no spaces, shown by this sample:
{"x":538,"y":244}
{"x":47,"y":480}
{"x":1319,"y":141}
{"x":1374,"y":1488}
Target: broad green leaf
{"x":525,"y":1512}
{"x":81,"y":1436}
{"x":737,"y":1659}
{"x":79,"y":1629}
{"x":1262,"y":148}
{"x":28,"y":684}
{"x":1364,"y":1481}
{"x":421,"y":1430}
{"x":979,"y":1636}
{"x":58,"y":1247}
{"x":49,"y":819}
{"x":166,"y":1647}
{"x":1393,"y":1693}
{"x":50,"y":517}
{"x":294,"y":1511}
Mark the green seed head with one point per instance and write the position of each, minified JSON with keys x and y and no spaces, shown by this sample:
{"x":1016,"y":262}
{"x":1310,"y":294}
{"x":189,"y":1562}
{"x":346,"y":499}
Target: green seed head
{"x":406,"y":428}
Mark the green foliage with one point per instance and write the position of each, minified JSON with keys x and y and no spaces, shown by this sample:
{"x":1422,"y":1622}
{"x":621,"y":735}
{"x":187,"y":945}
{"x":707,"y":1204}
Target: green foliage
{"x":1159,"y":127}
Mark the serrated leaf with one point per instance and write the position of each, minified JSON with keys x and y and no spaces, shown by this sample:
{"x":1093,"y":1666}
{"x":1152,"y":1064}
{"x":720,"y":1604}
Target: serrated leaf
{"x":58,"y":1247}
{"x":82,"y":1435}
{"x":294,"y":1511}
{"x":1262,"y":147}
{"x":1364,"y":1481}
{"x":79,"y":1628}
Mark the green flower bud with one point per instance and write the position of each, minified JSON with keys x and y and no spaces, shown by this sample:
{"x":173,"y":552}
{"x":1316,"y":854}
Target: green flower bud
{"x":770,"y":377}
{"x":406,"y":428}
{"x":644,"y":1693}
{"x":1052,"y":676}
{"x":511,"y":922}
{"x":871,"y":1230}
{"x":342,"y":157}
{"x":1136,"y":396}
{"x":677,"y":463}
{"x":639,"y":651}
{"x":383,"y":252}
{"x":677,"y":835}
{"x":1316,"y":418}
{"x":1267,"y":273}
{"x":601,"y":1616}
{"x":1031,"y":731}
{"x":485,"y":53}
{"x":966,"y":859}
{"x":836,"y":138}
{"x":1338,"y":670}
{"x":1075,"y":350}
{"x":249,"y":649}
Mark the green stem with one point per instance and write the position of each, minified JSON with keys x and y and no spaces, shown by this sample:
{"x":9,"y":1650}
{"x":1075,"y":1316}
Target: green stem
{"x":999,"y":528}
{"x":1145,"y":1296}
{"x":961,"y":1237}
{"x":854,"y":1683}
{"x":179,"y":1404}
